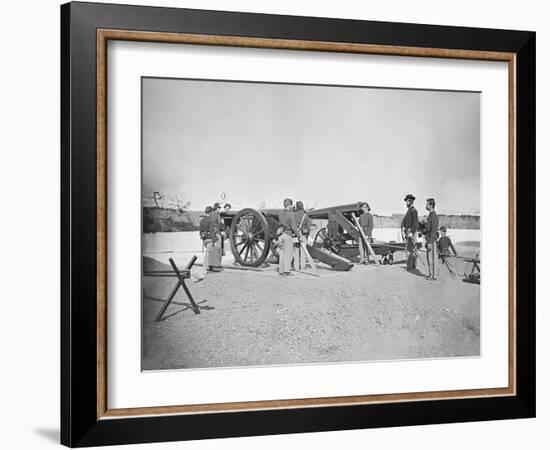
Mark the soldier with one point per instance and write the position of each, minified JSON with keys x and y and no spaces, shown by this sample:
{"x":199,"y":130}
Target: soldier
{"x":288,"y":229}
{"x":216,"y":215}
{"x":218,"y":228}
{"x":367,"y":224}
{"x":304,"y":226}
{"x":409,"y":228}
{"x":444,"y":247}
{"x":206,"y":231}
{"x":432,"y":225}
{"x":444,"y":243}
{"x":226,"y":207}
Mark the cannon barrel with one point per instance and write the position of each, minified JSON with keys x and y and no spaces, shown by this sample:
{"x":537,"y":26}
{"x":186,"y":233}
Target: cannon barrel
{"x":252,"y":231}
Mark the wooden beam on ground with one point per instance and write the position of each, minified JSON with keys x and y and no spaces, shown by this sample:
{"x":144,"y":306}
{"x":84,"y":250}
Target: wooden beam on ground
{"x":308,"y":273}
{"x":250,"y":269}
{"x":309,"y":258}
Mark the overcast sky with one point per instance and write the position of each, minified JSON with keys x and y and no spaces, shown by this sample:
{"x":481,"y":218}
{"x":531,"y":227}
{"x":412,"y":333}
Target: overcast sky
{"x":323,"y":145}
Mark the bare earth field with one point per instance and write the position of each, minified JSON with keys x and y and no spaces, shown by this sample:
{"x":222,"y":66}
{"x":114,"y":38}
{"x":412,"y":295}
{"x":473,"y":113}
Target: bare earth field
{"x":259,"y":318}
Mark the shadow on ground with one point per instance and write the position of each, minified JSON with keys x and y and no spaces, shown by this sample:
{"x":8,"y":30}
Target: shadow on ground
{"x":50,"y":434}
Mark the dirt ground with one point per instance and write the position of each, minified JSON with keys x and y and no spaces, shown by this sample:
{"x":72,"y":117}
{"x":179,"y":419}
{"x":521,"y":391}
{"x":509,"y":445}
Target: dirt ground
{"x":259,"y":318}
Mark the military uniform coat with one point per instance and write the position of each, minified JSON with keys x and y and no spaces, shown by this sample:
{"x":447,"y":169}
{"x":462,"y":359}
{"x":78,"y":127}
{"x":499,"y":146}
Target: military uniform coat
{"x":212,"y":254}
{"x":444,"y":244}
{"x":432,"y":227}
{"x":410,"y":220}
{"x":287,"y":219}
{"x":206,"y":228}
{"x":367,"y":223}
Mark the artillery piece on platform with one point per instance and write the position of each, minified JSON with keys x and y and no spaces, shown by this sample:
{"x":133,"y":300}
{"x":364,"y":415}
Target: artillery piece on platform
{"x":251,"y":233}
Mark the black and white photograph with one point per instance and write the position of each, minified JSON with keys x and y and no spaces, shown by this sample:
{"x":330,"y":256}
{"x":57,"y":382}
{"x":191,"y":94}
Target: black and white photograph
{"x":303,"y":224}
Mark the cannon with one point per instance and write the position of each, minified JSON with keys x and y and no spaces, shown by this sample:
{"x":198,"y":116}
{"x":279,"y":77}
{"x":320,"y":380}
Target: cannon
{"x":251,"y":233}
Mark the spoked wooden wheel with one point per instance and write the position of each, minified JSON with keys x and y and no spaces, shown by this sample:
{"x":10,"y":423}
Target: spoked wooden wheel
{"x":249,"y":237}
{"x":322,"y":240}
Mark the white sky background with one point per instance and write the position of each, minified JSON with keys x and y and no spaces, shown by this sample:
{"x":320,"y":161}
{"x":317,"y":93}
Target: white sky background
{"x":323,"y":145}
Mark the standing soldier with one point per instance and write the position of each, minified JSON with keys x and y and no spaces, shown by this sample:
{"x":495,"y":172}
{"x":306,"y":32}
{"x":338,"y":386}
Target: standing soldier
{"x":432,"y":225}
{"x":409,"y":228}
{"x":289,"y":228}
{"x":367,"y":224}
{"x":227,"y":210}
{"x":218,"y":228}
{"x":304,"y":227}
{"x":206,"y":230}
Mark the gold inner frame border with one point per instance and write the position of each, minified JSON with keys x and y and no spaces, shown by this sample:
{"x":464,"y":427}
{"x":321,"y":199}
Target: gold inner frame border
{"x":104,"y":35}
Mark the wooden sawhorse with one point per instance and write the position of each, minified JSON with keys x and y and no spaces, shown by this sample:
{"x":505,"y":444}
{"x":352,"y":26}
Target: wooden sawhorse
{"x":182,"y":276}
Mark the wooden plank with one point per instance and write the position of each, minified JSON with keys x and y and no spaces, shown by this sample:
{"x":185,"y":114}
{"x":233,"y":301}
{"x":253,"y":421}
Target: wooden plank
{"x":308,"y":273}
{"x":309,"y":258}
{"x":225,"y":266}
{"x":181,"y":280}
{"x":167,"y":302}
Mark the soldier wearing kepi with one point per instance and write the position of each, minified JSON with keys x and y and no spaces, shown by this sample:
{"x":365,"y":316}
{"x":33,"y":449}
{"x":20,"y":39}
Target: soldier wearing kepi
{"x":444,"y":247}
{"x":367,"y":224}
{"x":288,"y":229}
{"x":445,"y":244}
{"x":432,"y":225}
{"x":409,"y":228}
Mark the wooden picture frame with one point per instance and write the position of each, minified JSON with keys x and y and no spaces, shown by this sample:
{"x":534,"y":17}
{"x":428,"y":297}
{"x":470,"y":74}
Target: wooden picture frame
{"x":85,"y":416}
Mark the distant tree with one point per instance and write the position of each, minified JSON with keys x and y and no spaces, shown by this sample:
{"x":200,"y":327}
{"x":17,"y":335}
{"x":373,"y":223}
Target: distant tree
{"x":181,"y":202}
{"x":156,"y":197}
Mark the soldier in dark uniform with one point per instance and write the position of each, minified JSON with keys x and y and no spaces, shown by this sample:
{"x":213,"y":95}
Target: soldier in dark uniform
{"x":218,"y":229}
{"x":409,"y":228}
{"x":216,"y":216}
{"x":444,"y":243}
{"x":207,"y":234}
{"x":432,"y":226}
{"x":444,"y":247}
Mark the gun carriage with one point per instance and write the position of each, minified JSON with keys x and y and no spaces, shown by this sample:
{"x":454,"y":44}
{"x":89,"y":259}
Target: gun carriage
{"x":251,"y":233}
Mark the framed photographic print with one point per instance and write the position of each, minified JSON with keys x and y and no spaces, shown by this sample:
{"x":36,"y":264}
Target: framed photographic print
{"x":276,"y":224}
